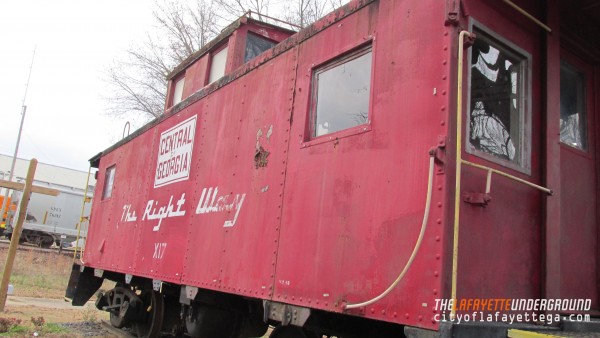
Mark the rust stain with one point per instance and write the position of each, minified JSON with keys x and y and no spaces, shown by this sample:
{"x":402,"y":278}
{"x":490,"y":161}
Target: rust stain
{"x":260,"y":157}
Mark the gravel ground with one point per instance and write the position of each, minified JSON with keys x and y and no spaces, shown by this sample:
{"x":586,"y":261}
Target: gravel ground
{"x":87,"y":329}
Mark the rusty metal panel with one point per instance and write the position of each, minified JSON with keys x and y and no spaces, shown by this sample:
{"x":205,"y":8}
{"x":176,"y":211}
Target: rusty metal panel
{"x":243,"y":159}
{"x":112,"y":241}
{"x":354,"y":200}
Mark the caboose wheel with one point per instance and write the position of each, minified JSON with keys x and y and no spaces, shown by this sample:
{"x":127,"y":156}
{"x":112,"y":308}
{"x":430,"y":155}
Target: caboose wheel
{"x":154,"y":307}
{"x":292,"y":332}
{"x":45,"y":241}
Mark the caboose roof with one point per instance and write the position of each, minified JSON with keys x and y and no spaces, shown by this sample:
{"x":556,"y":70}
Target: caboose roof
{"x":224,"y":35}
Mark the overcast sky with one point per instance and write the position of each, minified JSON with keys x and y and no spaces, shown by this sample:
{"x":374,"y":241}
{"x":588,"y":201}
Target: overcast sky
{"x":75,"y":41}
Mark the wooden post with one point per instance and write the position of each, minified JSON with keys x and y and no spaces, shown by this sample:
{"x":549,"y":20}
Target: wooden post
{"x":16,"y":235}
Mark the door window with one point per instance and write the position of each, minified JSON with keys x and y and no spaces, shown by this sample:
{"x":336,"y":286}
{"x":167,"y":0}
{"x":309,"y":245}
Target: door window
{"x":499,"y":95}
{"x":573,"y":123}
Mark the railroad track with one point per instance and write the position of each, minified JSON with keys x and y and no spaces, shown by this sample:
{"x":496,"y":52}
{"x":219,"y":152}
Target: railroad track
{"x":29,"y":247}
{"x":113,"y":330}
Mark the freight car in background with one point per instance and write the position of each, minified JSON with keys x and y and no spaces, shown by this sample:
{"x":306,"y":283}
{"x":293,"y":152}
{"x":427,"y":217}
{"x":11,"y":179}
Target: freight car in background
{"x":381,"y":172}
{"x":53,"y":219}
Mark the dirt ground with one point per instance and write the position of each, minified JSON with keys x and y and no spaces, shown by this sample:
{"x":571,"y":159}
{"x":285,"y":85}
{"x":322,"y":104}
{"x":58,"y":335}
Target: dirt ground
{"x":77,"y":321}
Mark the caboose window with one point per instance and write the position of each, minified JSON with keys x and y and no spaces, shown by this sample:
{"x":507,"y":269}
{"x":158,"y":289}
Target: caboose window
{"x":256,"y":45}
{"x":498,"y":101}
{"x":109,"y":180}
{"x":572,"y":107}
{"x":178,"y":92}
{"x":217,"y":65}
{"x":341,"y":93}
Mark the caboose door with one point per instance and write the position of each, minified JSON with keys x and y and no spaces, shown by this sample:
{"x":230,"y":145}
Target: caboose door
{"x":502,"y":131}
{"x":578,"y":181}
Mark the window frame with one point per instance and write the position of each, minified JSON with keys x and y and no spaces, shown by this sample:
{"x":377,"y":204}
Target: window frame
{"x":215,"y":51}
{"x":346,"y":55}
{"x":568,"y":62}
{"x":260,"y":36}
{"x":110,"y":169}
{"x":522,"y":163}
{"x":175,"y":82}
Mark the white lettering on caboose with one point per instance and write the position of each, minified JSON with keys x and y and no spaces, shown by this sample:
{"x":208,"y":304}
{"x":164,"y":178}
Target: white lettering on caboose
{"x":153,"y":211}
{"x":175,"y":153}
{"x":210,"y":201}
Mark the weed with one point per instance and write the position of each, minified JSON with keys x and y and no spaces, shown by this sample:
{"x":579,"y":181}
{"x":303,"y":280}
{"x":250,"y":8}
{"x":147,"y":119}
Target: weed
{"x":38,"y":323}
{"x":8,"y":323}
{"x":89,"y":315}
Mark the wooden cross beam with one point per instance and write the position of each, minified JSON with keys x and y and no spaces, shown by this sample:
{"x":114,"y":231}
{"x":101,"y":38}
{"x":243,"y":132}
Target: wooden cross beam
{"x":35,"y":189}
{"x":27,"y":189}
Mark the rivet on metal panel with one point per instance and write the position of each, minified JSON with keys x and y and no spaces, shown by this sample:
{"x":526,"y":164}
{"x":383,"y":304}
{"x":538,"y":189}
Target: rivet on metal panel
{"x":438,"y":256}
{"x":438,"y":221}
{"x":383,"y":312}
{"x":420,"y":317}
{"x":444,"y":77}
{"x":395,"y":314}
{"x":439,"y":187}
{"x":445,"y":47}
{"x":372,"y":310}
{"x":406,"y":315}
{"x":437,"y":238}
{"x":442,"y":123}
{"x":434,"y":91}
{"x":444,"y":62}
{"x":443,"y":108}
{"x":439,"y":204}
{"x":436,"y":274}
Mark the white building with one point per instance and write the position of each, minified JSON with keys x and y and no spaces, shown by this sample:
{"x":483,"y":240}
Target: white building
{"x":45,"y":172}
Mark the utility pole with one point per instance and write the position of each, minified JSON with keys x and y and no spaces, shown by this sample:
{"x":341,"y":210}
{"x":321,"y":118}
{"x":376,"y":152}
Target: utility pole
{"x":5,"y":205}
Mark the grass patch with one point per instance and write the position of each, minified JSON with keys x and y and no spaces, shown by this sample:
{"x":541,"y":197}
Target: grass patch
{"x":28,"y":329}
{"x":39,"y":274}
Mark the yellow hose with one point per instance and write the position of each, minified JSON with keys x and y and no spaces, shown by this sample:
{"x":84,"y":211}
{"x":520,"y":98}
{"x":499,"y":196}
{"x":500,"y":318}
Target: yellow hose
{"x":415,"y":249}
{"x":459,"y":95}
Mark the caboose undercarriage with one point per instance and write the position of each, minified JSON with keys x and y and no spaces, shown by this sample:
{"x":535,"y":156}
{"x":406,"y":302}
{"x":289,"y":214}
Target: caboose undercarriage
{"x":145,"y":308}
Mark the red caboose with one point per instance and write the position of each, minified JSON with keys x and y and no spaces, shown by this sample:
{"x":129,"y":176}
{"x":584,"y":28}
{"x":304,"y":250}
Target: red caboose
{"x":398,"y":167}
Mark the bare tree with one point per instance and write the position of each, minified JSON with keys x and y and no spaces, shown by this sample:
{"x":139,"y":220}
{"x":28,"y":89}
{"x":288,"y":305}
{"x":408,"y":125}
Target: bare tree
{"x":138,"y":79}
{"x":233,"y":9}
{"x":305,"y":12}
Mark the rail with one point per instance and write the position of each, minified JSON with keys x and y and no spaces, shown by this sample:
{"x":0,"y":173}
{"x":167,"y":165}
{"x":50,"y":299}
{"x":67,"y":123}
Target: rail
{"x":82,"y":218}
{"x":528,"y":16}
